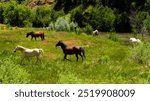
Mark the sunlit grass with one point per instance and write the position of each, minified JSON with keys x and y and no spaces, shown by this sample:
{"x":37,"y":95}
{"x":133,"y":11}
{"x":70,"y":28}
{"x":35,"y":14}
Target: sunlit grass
{"x":106,"y":61}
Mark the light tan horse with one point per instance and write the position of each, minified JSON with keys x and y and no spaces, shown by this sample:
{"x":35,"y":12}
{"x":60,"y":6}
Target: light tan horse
{"x":27,"y":53}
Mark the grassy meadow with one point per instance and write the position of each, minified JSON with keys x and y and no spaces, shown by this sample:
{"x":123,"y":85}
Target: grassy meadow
{"x":106,"y":61}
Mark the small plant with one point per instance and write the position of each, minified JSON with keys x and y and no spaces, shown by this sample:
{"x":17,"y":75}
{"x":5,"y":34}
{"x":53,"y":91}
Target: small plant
{"x":113,"y":36}
{"x":88,"y":29}
{"x":104,"y":59}
{"x":73,"y":26}
{"x":62,"y":25}
{"x":141,"y":54}
{"x":51,"y":27}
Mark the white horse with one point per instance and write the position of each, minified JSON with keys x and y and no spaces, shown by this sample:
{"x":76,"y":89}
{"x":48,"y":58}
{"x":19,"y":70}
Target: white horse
{"x":135,"y":41}
{"x":26,"y":52}
{"x":95,"y":33}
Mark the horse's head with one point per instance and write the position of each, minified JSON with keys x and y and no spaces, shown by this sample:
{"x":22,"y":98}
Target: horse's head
{"x":18,"y":48}
{"x":59,"y":43}
{"x":29,"y":33}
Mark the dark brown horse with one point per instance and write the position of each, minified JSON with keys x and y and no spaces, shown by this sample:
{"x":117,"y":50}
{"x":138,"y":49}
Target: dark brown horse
{"x":71,"y":50}
{"x":35,"y":35}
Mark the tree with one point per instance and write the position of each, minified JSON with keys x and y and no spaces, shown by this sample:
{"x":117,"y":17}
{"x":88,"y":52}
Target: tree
{"x":1,"y":12}
{"x":16,"y":15}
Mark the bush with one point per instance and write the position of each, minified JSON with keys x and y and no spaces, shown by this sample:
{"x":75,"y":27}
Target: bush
{"x":147,"y":24}
{"x":62,"y":25}
{"x":100,"y":17}
{"x":42,"y":16}
{"x":1,"y":12}
{"x":77,"y":16}
{"x":141,"y":54}
{"x":88,"y":29}
{"x":113,"y":37}
{"x":27,"y":23}
{"x":140,"y":17}
{"x":15,"y":14}
{"x":73,"y":26}
{"x":51,"y":27}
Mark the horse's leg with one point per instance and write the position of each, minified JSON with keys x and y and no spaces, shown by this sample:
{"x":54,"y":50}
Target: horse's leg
{"x":35,"y":38}
{"x":77,"y":57}
{"x":81,"y":56}
{"x":41,"y":37}
{"x":22,"y":60}
{"x":38,"y":59}
{"x":31,"y":38}
{"x":65,"y":57}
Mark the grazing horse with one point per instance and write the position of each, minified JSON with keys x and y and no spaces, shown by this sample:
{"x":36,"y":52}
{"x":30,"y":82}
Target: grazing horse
{"x":26,"y":52}
{"x":36,"y":34}
{"x":95,"y":33}
{"x":71,"y":50}
{"x":134,"y":41}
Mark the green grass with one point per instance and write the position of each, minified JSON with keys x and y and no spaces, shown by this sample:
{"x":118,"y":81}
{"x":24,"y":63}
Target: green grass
{"x":106,"y":61}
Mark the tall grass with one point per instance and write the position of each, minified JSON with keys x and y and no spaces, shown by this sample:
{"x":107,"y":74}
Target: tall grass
{"x":106,"y":61}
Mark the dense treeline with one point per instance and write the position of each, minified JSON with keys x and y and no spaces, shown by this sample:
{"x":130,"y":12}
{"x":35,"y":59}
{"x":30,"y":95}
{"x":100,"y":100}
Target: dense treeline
{"x":104,"y":15}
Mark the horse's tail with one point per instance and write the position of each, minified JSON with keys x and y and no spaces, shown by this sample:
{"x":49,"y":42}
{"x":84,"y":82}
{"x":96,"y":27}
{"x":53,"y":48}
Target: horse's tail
{"x":82,"y":51}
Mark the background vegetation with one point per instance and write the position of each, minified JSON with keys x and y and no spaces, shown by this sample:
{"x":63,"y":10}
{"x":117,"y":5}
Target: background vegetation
{"x":104,"y":15}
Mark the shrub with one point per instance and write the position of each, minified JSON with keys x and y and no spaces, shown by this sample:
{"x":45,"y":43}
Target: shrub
{"x":88,"y":29}
{"x":73,"y":26}
{"x":51,"y":26}
{"x":56,"y":14}
{"x":139,"y":24}
{"x":147,"y":24}
{"x":113,"y":36}
{"x":141,"y":53}
{"x":42,"y":16}
{"x":27,"y":23}
{"x":1,"y":13}
{"x":100,"y":17}
{"x":15,"y":14}
{"x":62,"y":25}
{"x":77,"y":16}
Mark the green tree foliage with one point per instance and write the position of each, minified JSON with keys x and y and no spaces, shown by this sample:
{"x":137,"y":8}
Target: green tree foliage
{"x":16,"y":15}
{"x":105,"y":15}
{"x":147,"y":24}
{"x":140,"y":17}
{"x":77,"y":16}
{"x":1,"y":12}
{"x":44,"y":15}
{"x":101,"y":18}
{"x":122,"y":23}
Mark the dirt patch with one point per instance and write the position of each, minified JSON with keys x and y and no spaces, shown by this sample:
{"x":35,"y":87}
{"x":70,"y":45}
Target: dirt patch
{"x":45,"y":42}
{"x":67,"y":42}
{"x":72,"y":42}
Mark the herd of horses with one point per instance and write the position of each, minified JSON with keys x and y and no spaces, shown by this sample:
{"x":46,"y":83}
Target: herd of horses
{"x":37,"y":52}
{"x":67,"y":50}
